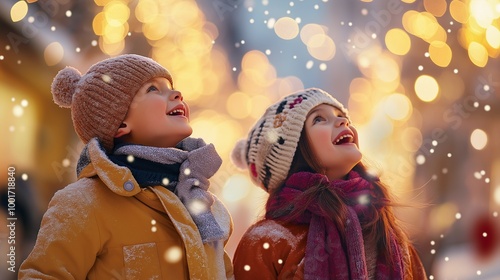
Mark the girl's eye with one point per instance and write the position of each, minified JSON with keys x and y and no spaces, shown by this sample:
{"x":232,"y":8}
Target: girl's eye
{"x":318,"y":119}
{"x":152,"y":88}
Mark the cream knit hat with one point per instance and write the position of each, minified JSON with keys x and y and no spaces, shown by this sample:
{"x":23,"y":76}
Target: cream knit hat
{"x":100,"y":99}
{"x":270,"y":147}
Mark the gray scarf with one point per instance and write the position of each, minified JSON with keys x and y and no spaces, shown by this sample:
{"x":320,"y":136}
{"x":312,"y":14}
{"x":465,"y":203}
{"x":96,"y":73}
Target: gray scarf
{"x":199,"y":162}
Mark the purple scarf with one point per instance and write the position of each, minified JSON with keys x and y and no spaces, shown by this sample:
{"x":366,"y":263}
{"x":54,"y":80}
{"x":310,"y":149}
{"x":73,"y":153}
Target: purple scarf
{"x":326,"y":257}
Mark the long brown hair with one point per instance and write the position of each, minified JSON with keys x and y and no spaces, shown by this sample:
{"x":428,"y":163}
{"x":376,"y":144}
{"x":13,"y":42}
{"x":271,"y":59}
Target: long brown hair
{"x":377,"y":231}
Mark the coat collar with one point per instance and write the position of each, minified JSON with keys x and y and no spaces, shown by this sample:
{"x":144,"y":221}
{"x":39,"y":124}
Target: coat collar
{"x":94,"y":161}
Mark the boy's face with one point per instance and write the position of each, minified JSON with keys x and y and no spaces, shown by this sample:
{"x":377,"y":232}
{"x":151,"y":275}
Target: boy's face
{"x":157,"y":116}
{"x":332,"y":141}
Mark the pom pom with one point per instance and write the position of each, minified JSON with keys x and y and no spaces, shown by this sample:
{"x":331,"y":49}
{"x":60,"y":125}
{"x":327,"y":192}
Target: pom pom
{"x":238,"y":154}
{"x":64,"y":86}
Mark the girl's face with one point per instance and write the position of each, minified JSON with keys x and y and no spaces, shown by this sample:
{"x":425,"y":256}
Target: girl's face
{"x":332,"y":141}
{"x":157,"y":116}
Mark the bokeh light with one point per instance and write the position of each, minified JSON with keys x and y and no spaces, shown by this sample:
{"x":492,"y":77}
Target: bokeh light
{"x":478,"y":139}
{"x":286,"y":28}
{"x":18,"y":11}
{"x":426,"y":88}
{"x":397,"y":41}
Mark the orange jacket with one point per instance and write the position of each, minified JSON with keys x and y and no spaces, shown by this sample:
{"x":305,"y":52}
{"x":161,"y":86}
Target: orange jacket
{"x":104,"y":226}
{"x":273,"y":250}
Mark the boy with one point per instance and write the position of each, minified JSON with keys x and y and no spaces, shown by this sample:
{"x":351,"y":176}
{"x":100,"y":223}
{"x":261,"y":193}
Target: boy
{"x":140,"y":208}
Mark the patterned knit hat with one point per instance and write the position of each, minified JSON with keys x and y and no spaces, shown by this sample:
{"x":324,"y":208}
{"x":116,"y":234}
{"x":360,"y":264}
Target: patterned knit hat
{"x":100,"y":99}
{"x":270,"y":147}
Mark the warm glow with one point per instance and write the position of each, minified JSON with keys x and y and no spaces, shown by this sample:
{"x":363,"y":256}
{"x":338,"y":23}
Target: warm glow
{"x":493,"y":36}
{"x":111,"y":48}
{"x":411,"y":138}
{"x":98,"y":24}
{"x":185,"y":13}
{"x":397,"y":41}
{"x":435,"y":7}
{"x":146,"y":11}
{"x":286,"y":28}
{"x":116,"y":13}
{"x":321,"y":47}
{"x":426,"y":88}
{"x":53,"y":53}
{"x":478,"y":54}
{"x":238,"y":105}
{"x":309,"y":30}
{"x":385,"y":69}
{"x":114,"y":33}
{"x":18,"y":11}
{"x":440,"y":53}
{"x":236,"y":187}
{"x":151,"y":30}
{"x":482,"y":12}
{"x":496,"y":195}
{"x":173,"y":254}
{"x":478,"y":139}
{"x":459,"y":11}
{"x":397,"y":106}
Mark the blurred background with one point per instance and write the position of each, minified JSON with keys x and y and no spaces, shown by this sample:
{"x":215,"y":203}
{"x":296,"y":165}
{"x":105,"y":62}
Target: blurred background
{"x":421,"y":80}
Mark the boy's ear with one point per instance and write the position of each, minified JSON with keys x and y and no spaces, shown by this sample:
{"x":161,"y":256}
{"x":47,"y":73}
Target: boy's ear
{"x":124,"y":129}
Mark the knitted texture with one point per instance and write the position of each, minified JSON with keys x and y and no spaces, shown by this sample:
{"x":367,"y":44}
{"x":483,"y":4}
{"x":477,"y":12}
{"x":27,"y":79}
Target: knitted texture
{"x":270,"y":146}
{"x":327,"y":257}
{"x":100,"y":99}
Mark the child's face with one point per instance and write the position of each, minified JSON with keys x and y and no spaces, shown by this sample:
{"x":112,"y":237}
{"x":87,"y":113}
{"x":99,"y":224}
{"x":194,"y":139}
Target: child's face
{"x":157,"y":116}
{"x":332,"y":141}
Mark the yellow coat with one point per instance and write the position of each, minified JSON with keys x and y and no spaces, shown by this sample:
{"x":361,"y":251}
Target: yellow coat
{"x":104,"y":226}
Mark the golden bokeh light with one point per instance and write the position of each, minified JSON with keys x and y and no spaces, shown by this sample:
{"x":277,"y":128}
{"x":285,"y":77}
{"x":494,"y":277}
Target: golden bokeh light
{"x":321,"y":47}
{"x":440,"y":53}
{"x":478,"y":54}
{"x":397,"y":41}
{"x":459,"y":11}
{"x":310,"y":30}
{"x":116,"y":13}
{"x":478,"y":139}
{"x":173,"y":254}
{"x":286,"y":28}
{"x":385,"y":69}
{"x":397,"y":106}
{"x":53,"y":53}
{"x":436,"y":7}
{"x":111,"y":48}
{"x":411,"y":138}
{"x":185,"y":13}
{"x":482,"y":11}
{"x":493,"y":36}
{"x":259,"y":103}
{"x":151,"y":30}
{"x":98,"y":24}
{"x":236,"y":188}
{"x":113,"y":34}
{"x":238,"y":105}
{"x":426,"y":88}
{"x":146,"y":11}
{"x":18,"y":11}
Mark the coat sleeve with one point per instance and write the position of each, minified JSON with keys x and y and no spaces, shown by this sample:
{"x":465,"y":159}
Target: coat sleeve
{"x":68,"y":241}
{"x":267,"y":251}
{"x":251,"y":261}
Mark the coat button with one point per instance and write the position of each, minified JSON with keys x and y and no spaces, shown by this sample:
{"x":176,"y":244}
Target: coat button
{"x":128,"y":186}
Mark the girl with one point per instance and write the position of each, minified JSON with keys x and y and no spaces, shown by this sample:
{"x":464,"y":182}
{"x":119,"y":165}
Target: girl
{"x":326,"y":216}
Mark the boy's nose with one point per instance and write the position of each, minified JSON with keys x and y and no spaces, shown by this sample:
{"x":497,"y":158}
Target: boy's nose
{"x":176,"y":95}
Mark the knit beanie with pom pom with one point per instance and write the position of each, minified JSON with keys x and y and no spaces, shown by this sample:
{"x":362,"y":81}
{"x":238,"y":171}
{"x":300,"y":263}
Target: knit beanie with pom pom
{"x":100,"y":99}
{"x":270,"y":146}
